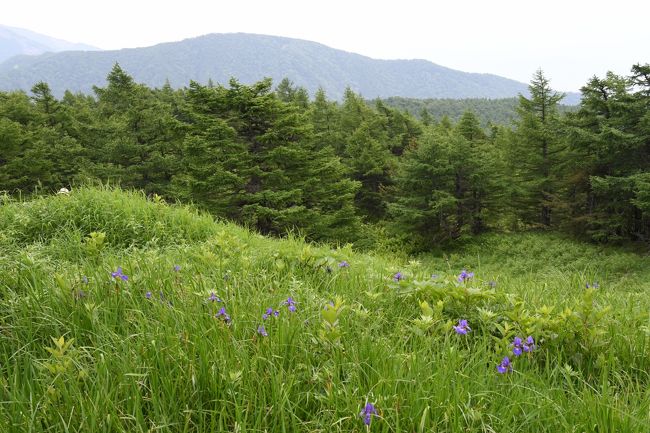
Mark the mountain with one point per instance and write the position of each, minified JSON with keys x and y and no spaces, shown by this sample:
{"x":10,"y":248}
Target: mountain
{"x":15,"y":41}
{"x":250,"y":57}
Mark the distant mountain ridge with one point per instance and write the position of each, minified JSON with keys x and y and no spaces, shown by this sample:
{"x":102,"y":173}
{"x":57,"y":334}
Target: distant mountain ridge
{"x":249,"y":58}
{"x":15,"y":41}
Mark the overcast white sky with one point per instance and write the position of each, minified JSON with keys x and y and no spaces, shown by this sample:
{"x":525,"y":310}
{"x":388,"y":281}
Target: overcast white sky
{"x":570,"y":40}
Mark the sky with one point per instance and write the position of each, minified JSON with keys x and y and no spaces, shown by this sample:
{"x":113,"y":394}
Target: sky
{"x":570,"y":41}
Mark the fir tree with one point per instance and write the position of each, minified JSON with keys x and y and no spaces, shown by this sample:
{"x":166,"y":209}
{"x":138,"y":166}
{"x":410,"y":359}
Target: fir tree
{"x":536,"y":151}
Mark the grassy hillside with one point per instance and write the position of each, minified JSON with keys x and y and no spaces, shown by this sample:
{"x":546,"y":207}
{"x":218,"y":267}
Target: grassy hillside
{"x":123,"y":314}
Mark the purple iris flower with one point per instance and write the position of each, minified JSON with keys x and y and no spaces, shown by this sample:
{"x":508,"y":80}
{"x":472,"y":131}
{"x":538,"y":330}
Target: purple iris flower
{"x":517,"y":346}
{"x":213,"y":297}
{"x":118,"y":274}
{"x":367,"y":413}
{"x":344,"y":264}
{"x":84,"y":279}
{"x":462,"y":327}
{"x":464,"y":276}
{"x":529,"y":345}
{"x":592,"y":286}
{"x":222,"y":313}
{"x":291,"y":304}
{"x":398,"y":277}
{"x":177,"y":268}
{"x":270,"y":312}
{"x":505,"y":366}
{"x":147,"y":295}
{"x":262,"y":331}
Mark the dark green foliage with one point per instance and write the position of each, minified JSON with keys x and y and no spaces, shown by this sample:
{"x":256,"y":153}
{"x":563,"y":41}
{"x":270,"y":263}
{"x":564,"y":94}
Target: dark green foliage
{"x":610,"y":143}
{"x":424,"y":202}
{"x":37,"y":150}
{"x":254,"y":158}
{"x":536,"y":152}
{"x":367,"y":154}
{"x":272,"y":159}
{"x":447,"y":185}
{"x":287,"y":92}
{"x":213,"y":160}
{"x":489,"y":111}
{"x":138,"y":139}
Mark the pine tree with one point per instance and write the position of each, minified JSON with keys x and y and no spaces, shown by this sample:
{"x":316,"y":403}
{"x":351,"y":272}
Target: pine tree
{"x":367,"y":155}
{"x":536,"y":151}
{"x":272,"y":174}
{"x":607,"y":189}
{"x":138,"y":138}
{"x":215,"y":160}
{"x":288,"y":92}
{"x":325,"y":119}
{"x":37,"y":150}
{"x":423,"y":202}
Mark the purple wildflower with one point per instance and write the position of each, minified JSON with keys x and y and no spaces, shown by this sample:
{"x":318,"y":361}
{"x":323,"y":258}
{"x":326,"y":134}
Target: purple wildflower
{"x":505,"y":366}
{"x":270,"y":312}
{"x":80,"y":294}
{"x":84,"y":279}
{"x":177,"y":268}
{"x":492,"y":284}
{"x":462,"y":327}
{"x":367,"y":413}
{"x":118,"y":274}
{"x":398,"y":277}
{"x":344,"y":264}
{"x":464,"y":276}
{"x":291,"y":304}
{"x":434,"y":276}
{"x":147,"y":295}
{"x":594,"y":285}
{"x":213,"y":297}
{"x":517,"y":346}
{"x":262,"y":331}
{"x":529,"y":345}
{"x":222,"y":313}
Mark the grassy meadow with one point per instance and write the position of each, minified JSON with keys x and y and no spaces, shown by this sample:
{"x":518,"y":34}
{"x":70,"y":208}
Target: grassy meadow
{"x":120,"y":313}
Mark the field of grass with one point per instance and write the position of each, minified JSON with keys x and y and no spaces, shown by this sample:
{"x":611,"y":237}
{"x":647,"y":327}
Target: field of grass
{"x":122,"y":314}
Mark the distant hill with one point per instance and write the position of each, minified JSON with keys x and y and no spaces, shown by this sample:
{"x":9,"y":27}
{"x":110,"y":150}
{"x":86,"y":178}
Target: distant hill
{"x":15,"y":41}
{"x":495,"y":111}
{"x":250,"y":57}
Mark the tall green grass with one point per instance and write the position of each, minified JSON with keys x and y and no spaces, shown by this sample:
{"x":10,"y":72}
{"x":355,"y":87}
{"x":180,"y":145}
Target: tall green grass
{"x":129,"y":363}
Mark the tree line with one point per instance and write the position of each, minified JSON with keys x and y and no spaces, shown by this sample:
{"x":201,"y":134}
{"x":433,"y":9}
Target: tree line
{"x":277,"y":160}
{"x":502,"y":111}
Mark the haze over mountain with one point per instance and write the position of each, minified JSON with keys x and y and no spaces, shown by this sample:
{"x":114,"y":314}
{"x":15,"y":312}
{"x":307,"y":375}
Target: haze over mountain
{"x":251,"y":57}
{"x":15,"y":41}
